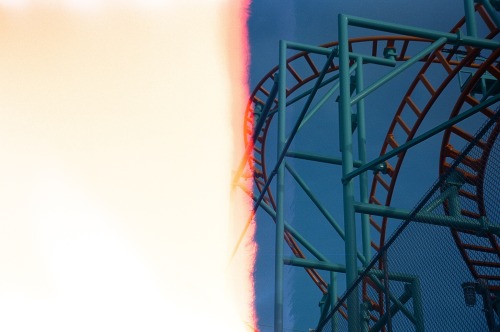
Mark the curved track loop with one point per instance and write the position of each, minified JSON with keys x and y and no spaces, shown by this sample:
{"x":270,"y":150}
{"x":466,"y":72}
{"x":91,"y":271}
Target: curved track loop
{"x":473,"y":171}
{"x":263,"y":91}
{"x":383,"y":185}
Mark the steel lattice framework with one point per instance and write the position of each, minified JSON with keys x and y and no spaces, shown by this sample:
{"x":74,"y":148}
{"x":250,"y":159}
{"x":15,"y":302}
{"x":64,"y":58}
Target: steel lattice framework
{"x":316,"y":74}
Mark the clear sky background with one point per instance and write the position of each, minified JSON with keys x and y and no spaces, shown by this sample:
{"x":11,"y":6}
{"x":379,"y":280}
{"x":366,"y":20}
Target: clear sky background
{"x":315,"y":22}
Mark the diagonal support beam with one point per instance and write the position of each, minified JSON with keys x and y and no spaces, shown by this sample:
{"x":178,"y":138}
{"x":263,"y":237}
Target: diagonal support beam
{"x":428,"y":134}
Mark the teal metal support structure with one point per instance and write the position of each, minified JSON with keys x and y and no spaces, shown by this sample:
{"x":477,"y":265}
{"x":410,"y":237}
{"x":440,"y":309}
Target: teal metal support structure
{"x":347,"y":167}
{"x":470,"y":20}
{"x":296,"y":235}
{"x":351,"y":66}
{"x":365,"y":92}
{"x":491,"y":11}
{"x":363,"y":178}
{"x":422,"y":33}
{"x":416,"y":317}
{"x":457,"y":221}
{"x":419,"y":139}
{"x":345,"y":103}
{"x":332,"y":289}
{"x":320,"y":159}
{"x":321,"y":208}
{"x":418,"y":308}
{"x":280,"y":215}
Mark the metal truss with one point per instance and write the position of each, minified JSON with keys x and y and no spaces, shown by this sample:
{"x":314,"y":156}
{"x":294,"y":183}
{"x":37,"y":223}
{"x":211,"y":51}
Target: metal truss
{"x":315,"y":75}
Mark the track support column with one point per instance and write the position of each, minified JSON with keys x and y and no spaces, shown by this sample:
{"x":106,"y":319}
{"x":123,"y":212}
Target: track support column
{"x":347,"y":167}
{"x":418,"y":310}
{"x":363,"y":177}
{"x":280,"y":213}
{"x":332,"y":289}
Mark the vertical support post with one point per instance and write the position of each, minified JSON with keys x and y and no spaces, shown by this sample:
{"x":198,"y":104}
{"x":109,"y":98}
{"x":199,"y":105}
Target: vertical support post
{"x":491,"y":11}
{"x":418,"y":310}
{"x":365,"y":312}
{"x":347,"y":166}
{"x":470,"y":19}
{"x":280,"y":217}
{"x":363,"y":177}
{"x":454,"y":182}
{"x":387,"y":299}
{"x":470,"y":22}
{"x":332,"y":290}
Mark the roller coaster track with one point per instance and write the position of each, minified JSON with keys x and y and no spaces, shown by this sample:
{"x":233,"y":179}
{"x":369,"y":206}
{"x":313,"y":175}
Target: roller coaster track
{"x":473,"y":171}
{"x":450,"y":60}
{"x":383,"y":185}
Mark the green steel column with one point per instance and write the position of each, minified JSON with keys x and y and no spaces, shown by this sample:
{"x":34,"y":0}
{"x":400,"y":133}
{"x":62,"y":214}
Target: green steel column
{"x":491,"y":11}
{"x":280,"y":217}
{"x":470,"y":19}
{"x":387,"y":291}
{"x":365,"y":313}
{"x":418,"y":310}
{"x":363,"y":178}
{"x":454,"y":182}
{"x":347,"y":167}
{"x":333,"y":296}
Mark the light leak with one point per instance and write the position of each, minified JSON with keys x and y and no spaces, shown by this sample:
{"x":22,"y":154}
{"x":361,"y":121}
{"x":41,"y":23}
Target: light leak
{"x":120,"y":129}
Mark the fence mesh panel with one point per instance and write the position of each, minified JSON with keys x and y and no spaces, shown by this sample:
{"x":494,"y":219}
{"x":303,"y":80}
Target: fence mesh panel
{"x":427,"y":264}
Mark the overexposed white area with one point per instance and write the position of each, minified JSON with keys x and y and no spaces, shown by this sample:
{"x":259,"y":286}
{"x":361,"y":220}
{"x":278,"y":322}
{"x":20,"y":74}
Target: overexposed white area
{"x":84,"y":5}
{"x":117,"y":142}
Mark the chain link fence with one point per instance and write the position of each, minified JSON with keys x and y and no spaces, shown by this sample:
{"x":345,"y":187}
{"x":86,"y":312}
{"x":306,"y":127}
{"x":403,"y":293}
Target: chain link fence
{"x":432,"y":277}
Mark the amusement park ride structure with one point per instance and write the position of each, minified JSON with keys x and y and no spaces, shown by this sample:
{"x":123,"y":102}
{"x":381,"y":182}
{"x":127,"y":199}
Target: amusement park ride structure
{"x":302,"y":86}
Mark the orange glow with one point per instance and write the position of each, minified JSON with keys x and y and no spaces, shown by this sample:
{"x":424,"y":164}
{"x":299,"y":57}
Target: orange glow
{"x":120,"y":128}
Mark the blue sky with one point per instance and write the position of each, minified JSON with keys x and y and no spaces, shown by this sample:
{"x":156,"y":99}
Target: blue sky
{"x":315,"y":22}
